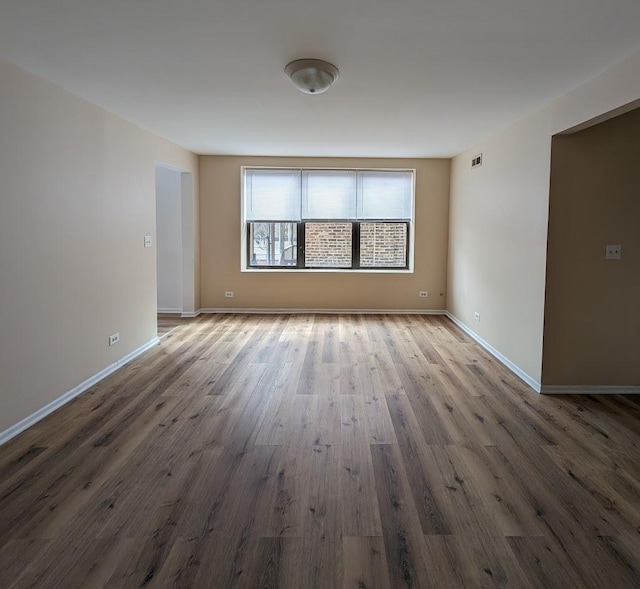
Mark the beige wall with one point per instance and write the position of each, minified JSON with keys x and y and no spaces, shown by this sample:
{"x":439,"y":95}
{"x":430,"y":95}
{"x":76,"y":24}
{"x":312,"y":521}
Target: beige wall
{"x":592,"y":310}
{"x":220,"y":246}
{"x":498,"y":220}
{"x":76,"y":199}
{"x":498,"y":227}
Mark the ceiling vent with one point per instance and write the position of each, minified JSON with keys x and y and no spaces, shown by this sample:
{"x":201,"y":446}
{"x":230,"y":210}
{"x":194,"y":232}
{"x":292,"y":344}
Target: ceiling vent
{"x":476,"y":161}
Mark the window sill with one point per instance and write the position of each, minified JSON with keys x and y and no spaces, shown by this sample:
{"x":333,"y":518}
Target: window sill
{"x":325,"y":271}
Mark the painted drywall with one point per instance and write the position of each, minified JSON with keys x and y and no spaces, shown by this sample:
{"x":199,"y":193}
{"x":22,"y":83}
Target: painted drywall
{"x":592,"y":308}
{"x":169,"y":239}
{"x":76,"y":199}
{"x":499,"y":214}
{"x":220,"y":231}
{"x":498,"y":227}
{"x":190,"y":244}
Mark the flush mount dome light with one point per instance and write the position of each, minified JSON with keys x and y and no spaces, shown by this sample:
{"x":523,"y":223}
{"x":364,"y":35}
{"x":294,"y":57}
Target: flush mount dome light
{"x":312,"y":76}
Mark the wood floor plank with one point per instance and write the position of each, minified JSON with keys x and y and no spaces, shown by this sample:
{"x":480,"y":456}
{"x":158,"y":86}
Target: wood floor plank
{"x":81,"y":565}
{"x":360,"y":512}
{"x":543,"y":561}
{"x":472,"y":523}
{"x":354,"y":379}
{"x":326,"y":429}
{"x":403,"y":539}
{"x":277,"y":414}
{"x":507,"y":505}
{"x":302,"y":410}
{"x":449,"y":563}
{"x":266,"y":568}
{"x":365,"y":563}
{"x":621,"y":501}
{"x":623,"y":550}
{"x":378,"y":420}
{"x":16,"y":557}
{"x":418,"y":461}
{"x":318,"y":377}
{"x":230,"y":517}
{"x":320,"y":548}
{"x":80,"y":476}
{"x":566,"y":520}
{"x":574,"y":501}
{"x":420,"y":389}
{"x":284,"y":516}
{"x":386,"y":377}
{"x":354,"y":339}
{"x":299,"y":451}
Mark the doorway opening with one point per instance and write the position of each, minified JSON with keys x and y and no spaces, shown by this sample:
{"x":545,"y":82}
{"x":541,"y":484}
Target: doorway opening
{"x":175,"y":246}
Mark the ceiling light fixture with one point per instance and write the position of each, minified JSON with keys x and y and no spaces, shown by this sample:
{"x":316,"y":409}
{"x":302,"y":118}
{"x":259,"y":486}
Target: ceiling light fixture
{"x":312,"y":76}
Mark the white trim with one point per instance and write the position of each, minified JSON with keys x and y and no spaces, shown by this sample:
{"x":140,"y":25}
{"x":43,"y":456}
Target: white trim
{"x":284,"y":270}
{"x":170,"y":311}
{"x":589,"y":390}
{"x":28,"y":421}
{"x":532,"y":382}
{"x":190,"y":313}
{"x":288,"y":311}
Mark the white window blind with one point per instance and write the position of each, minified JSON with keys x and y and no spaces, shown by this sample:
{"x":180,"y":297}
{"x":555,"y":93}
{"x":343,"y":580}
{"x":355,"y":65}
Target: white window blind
{"x":324,"y":195}
{"x":385,"y":195}
{"x":329,"y":194}
{"x":272,"y":195}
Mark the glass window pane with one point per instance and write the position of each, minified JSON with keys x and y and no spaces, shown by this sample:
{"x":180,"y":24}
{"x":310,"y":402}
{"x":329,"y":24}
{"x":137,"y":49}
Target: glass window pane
{"x":272,"y":195}
{"x":273,"y":244}
{"x":327,"y":245}
{"x":385,"y":195}
{"x":329,"y":194}
{"x":383,"y":245}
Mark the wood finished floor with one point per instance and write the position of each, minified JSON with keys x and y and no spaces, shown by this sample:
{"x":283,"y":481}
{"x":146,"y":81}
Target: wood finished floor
{"x":323,"y":451}
{"x":168,"y":322}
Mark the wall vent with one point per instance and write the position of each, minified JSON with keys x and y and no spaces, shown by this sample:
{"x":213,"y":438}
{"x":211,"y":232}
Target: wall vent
{"x":476,"y":161}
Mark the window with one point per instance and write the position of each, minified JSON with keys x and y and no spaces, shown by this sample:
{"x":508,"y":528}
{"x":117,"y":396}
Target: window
{"x":327,"y":219}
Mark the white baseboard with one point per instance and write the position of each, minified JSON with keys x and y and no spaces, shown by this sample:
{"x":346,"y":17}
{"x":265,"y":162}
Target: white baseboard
{"x":178,"y":312}
{"x":289,"y":311}
{"x":28,"y":421}
{"x":589,"y":390}
{"x":532,"y":382}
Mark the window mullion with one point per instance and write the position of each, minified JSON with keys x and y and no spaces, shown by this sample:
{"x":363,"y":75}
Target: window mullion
{"x":406,"y":263}
{"x":301,"y":244}
{"x":355,"y":245}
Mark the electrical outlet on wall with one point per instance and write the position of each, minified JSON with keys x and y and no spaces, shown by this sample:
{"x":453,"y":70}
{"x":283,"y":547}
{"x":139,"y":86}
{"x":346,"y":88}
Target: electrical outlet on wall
{"x":114,"y":338}
{"x":228,"y":294}
{"x":613,"y":252}
{"x":423,"y":294}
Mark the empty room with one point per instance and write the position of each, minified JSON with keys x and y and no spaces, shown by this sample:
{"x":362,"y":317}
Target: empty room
{"x":334,"y":294}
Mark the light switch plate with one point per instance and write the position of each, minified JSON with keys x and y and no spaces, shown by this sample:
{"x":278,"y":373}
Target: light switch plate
{"x":613,"y":252}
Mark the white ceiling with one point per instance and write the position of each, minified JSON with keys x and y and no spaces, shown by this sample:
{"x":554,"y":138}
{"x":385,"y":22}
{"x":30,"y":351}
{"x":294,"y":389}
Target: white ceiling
{"x":418,"y":78}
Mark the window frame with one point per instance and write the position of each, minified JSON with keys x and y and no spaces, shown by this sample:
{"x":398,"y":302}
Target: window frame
{"x":245,"y":262}
{"x":248,"y":247}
